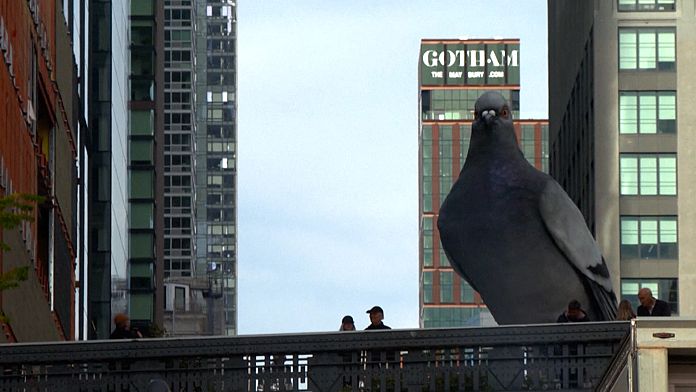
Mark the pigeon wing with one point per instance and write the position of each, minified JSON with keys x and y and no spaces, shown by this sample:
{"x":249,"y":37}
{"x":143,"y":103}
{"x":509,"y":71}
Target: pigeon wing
{"x":569,"y":231}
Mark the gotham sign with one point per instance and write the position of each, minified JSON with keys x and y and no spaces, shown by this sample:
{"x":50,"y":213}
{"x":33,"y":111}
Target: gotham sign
{"x":470,"y":64}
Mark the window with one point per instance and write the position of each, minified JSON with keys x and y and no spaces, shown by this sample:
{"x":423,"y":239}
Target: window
{"x":141,"y":184}
{"x":647,"y":112}
{"x":664,"y":289}
{"x":445,"y":158}
{"x":648,"y":174}
{"x":141,"y":216}
{"x":179,"y":298}
{"x":427,"y":241}
{"x":427,"y":287}
{"x":427,"y":167}
{"x":649,"y":237}
{"x":646,"y":5}
{"x":467,"y":292}
{"x":528,"y":143}
{"x":647,"y":49}
{"x":142,"y":122}
{"x":446,"y":287}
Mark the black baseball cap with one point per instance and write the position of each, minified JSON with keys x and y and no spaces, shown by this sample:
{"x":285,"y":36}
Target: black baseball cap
{"x":375,"y":309}
{"x":347,"y":319}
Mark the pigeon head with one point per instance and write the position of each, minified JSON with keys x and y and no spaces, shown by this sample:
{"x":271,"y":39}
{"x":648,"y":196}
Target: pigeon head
{"x":493,"y":120}
{"x":492,"y":106}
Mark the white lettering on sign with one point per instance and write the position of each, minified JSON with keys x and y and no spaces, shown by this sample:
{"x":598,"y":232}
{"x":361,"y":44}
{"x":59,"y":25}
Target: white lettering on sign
{"x":496,"y":74}
{"x":476,"y":58}
{"x":475,"y":74}
{"x":436,"y":74}
{"x":454,"y":74}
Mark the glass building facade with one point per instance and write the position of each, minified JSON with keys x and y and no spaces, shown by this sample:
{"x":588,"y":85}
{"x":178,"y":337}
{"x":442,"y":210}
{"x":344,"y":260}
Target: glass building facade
{"x":108,"y":198}
{"x":145,"y":166}
{"x":453,"y":74}
{"x":216,"y":158}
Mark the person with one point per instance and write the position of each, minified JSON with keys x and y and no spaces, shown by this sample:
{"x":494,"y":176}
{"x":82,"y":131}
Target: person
{"x":347,"y":324}
{"x":376,"y":316}
{"x":123,"y":330}
{"x":625,"y":311}
{"x":574,"y":314}
{"x":651,"y":306}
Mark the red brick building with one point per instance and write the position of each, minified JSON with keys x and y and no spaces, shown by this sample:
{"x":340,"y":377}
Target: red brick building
{"x":37,"y":156}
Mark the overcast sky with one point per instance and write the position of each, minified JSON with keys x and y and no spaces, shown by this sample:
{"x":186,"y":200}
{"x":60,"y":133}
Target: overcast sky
{"x":328,"y":150}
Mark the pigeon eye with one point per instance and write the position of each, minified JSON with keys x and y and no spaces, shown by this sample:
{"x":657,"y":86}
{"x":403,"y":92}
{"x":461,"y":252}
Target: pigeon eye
{"x":504,"y":112}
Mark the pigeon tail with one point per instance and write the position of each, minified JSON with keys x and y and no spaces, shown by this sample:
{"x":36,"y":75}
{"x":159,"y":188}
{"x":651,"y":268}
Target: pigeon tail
{"x":605,"y":302}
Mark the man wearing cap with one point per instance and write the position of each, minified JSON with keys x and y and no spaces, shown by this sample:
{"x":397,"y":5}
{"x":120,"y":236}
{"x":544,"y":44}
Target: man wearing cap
{"x":376,"y":317}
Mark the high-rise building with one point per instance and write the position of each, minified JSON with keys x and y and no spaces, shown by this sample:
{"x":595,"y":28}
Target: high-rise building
{"x":39,"y":111}
{"x":144,"y":286}
{"x":200,"y":162}
{"x":216,"y":160}
{"x":620,"y":89}
{"x":107,"y":164}
{"x":452,"y":75}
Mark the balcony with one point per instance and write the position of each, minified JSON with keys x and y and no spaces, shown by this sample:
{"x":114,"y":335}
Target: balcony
{"x":538,"y":357}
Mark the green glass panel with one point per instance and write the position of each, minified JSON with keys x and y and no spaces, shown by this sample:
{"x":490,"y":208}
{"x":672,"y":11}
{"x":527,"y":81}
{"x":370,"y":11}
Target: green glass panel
{"x":141,"y":184}
{"x":142,"y":8}
{"x":141,"y":306}
{"x":141,"y":215}
{"x":141,"y":151}
{"x":142,"y":122}
{"x":141,"y":245}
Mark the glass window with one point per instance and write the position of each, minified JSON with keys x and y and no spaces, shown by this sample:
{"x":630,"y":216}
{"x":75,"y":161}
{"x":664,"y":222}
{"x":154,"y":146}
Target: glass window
{"x":141,"y":245}
{"x":142,"y":183}
{"x":648,"y":174}
{"x":141,"y":216}
{"x":446,"y":287}
{"x":427,"y":167}
{"x":142,"y":122}
{"x":142,"y":8}
{"x":646,"y":5}
{"x":141,"y":151}
{"x":427,"y":287}
{"x":467,"y":292}
{"x":664,"y":289}
{"x":141,"y":304}
{"x":649,"y":237}
{"x":647,"y":112}
{"x":647,"y":49}
{"x":427,"y":241}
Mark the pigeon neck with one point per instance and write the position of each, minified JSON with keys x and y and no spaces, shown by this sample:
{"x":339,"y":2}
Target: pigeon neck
{"x":487,"y":143}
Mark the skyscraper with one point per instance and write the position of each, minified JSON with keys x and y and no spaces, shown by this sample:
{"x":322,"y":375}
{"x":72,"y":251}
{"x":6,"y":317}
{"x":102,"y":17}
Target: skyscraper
{"x":144,"y":286}
{"x":107,"y":164}
{"x":620,"y":90}
{"x":452,"y":75}
{"x":216,"y":158}
{"x":200,"y":160}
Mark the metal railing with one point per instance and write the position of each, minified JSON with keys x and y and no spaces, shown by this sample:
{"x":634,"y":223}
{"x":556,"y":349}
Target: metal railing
{"x":533,"y":357}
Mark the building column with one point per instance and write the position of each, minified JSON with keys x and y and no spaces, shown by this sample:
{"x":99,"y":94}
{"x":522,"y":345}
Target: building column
{"x":653,"y":370}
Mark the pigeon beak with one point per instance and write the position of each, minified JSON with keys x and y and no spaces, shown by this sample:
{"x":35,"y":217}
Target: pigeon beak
{"x":488,"y":115}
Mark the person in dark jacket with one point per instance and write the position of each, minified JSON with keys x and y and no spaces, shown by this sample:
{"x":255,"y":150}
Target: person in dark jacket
{"x":574,"y":314}
{"x":376,"y":317}
{"x":651,"y":306}
{"x":123,"y":330}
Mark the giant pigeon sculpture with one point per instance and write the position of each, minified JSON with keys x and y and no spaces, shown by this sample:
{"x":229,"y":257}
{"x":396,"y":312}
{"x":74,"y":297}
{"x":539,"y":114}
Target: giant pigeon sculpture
{"x":513,"y":233}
